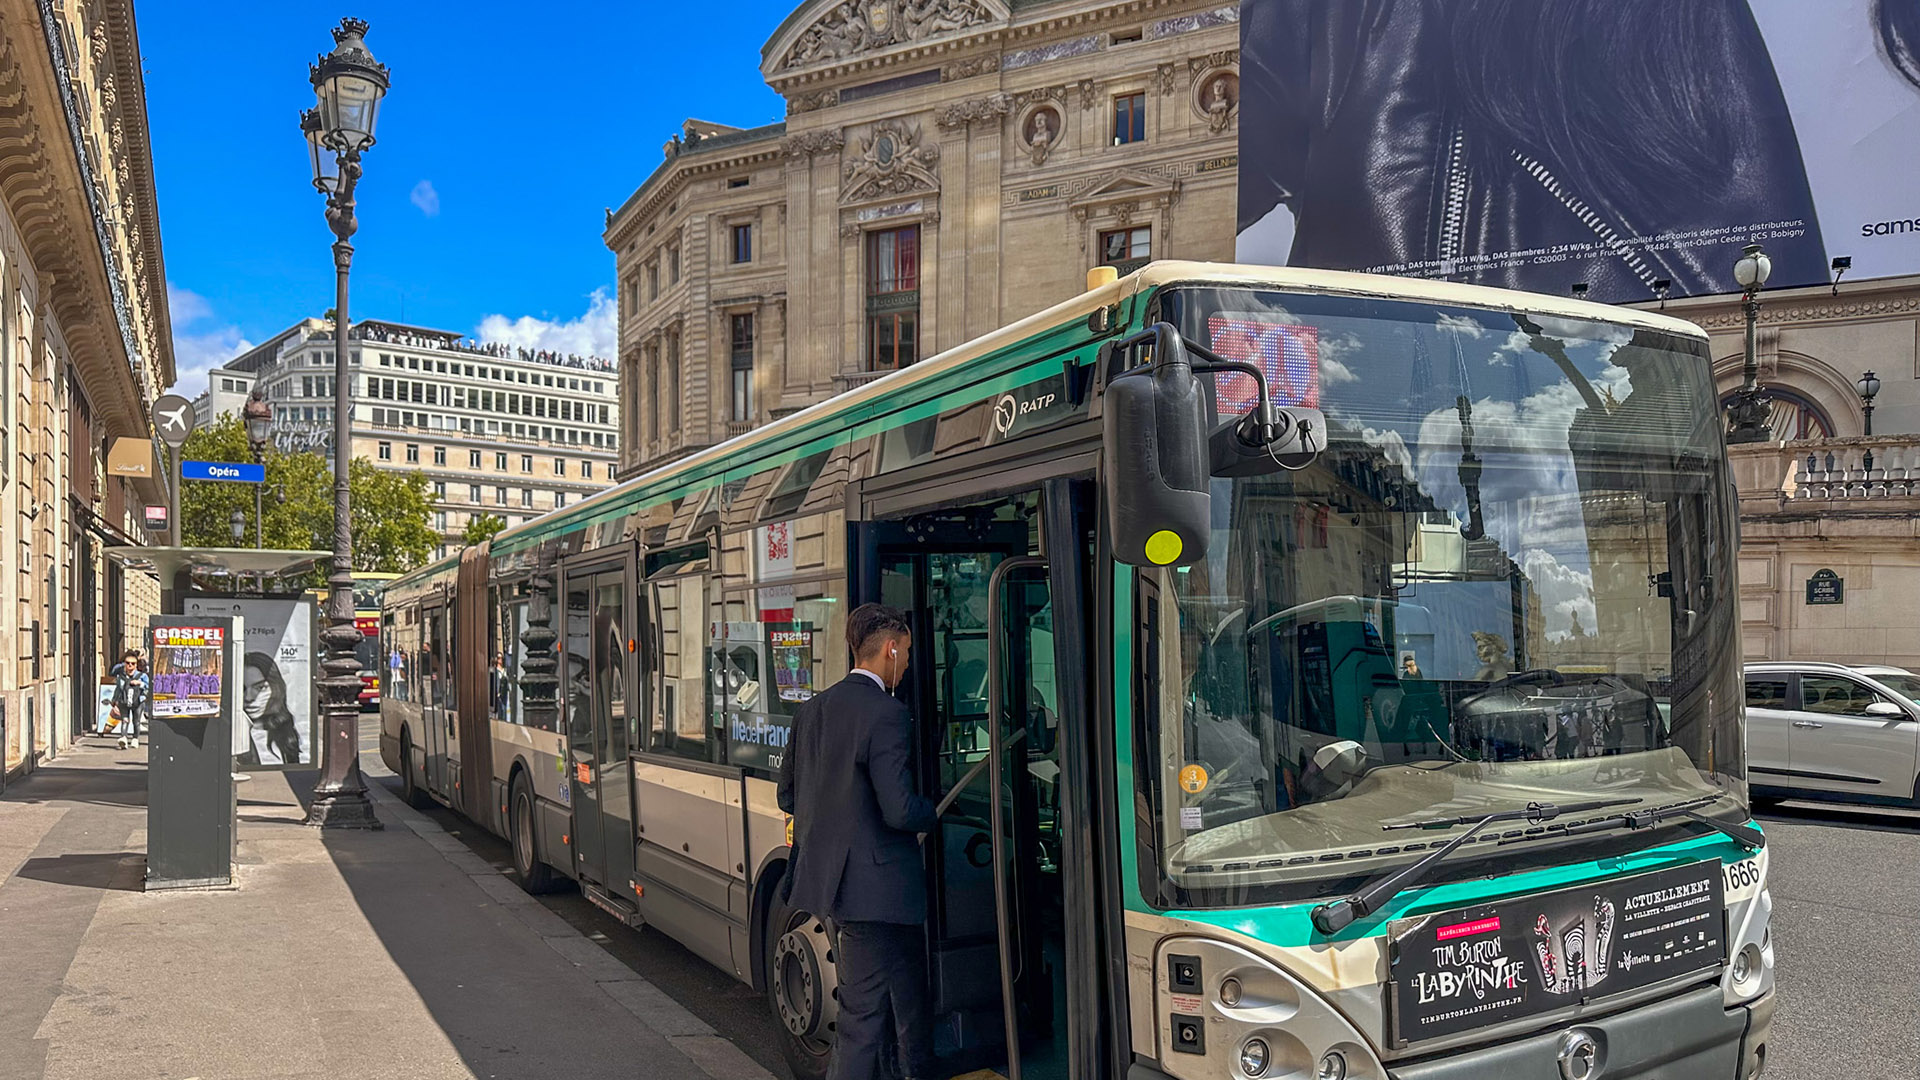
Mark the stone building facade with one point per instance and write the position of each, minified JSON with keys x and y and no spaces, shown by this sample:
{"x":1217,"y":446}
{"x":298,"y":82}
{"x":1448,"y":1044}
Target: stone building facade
{"x":496,"y":430}
{"x":85,"y":346}
{"x":945,"y":167}
{"x":1824,"y":495}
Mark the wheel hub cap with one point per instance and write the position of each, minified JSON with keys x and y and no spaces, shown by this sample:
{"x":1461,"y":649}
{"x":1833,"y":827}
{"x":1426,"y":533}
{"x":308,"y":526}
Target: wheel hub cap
{"x":804,"y":982}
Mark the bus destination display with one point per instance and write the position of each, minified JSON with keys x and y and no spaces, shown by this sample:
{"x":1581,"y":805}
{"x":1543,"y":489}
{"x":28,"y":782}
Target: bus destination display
{"x":1468,"y":968}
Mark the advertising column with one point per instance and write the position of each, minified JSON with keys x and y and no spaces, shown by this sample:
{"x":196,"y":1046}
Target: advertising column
{"x":190,"y":798}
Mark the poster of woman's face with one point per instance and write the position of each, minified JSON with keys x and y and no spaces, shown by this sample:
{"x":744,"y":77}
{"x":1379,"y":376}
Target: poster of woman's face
{"x":274,"y":726}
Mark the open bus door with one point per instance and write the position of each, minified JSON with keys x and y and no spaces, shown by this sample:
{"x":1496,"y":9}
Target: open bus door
{"x":1016,"y":983}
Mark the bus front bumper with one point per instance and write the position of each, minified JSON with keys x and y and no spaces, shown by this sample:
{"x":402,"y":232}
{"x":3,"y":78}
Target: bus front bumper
{"x":1688,"y":1036}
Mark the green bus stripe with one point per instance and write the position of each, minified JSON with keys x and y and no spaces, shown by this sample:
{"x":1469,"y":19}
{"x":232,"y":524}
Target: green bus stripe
{"x":1291,"y":924}
{"x":872,"y":418}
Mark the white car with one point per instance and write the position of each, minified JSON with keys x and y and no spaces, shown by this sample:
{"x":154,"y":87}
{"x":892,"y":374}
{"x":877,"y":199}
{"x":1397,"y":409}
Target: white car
{"x":1833,"y":731}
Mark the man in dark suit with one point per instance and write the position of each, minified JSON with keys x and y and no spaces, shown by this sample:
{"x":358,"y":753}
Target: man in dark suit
{"x":846,"y":780}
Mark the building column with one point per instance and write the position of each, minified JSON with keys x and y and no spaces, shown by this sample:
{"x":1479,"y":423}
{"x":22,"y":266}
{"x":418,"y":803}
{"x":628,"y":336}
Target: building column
{"x":778,"y":354}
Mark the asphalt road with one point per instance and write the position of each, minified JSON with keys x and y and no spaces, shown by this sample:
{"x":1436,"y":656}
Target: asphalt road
{"x":1846,"y":930}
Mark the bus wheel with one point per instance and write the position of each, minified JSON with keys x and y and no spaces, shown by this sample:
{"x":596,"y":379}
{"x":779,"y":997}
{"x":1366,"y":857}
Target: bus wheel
{"x":802,"y":987}
{"x":534,"y":876}
{"x":409,"y":791}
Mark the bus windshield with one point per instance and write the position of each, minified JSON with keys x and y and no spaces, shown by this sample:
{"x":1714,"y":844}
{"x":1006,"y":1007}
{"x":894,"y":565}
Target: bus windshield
{"x":1507,"y":578}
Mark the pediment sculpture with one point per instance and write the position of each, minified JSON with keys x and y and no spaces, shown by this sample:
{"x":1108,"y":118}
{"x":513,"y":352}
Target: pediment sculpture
{"x":891,"y":161}
{"x":856,"y":26}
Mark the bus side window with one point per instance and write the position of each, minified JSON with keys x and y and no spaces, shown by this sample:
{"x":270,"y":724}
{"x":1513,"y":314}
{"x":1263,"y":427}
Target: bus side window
{"x":390,"y":688}
{"x":676,"y":662}
{"x":506,"y":622}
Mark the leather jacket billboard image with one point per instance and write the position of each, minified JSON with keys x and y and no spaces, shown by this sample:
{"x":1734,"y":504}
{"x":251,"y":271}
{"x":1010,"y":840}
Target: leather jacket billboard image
{"x":1631,"y":145}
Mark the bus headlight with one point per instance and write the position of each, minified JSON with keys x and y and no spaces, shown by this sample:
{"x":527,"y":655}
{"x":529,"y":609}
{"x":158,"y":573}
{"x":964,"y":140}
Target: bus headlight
{"x":1230,"y":992}
{"x":1747,"y":966}
{"x":1253,"y":1057}
{"x":1332,"y":1067}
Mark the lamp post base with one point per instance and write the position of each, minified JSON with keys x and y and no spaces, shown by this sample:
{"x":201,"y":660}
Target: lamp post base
{"x":340,"y":798}
{"x":345,"y":810}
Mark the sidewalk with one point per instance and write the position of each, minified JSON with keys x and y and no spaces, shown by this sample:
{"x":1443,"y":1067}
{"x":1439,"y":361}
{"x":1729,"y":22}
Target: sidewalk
{"x":393,"y":953}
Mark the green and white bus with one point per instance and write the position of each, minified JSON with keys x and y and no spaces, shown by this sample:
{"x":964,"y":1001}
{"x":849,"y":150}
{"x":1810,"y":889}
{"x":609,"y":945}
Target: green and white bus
{"x":1503,"y":832}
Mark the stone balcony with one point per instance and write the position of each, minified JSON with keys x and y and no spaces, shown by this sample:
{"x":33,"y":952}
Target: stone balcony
{"x":1874,"y":474}
{"x":844,"y":381}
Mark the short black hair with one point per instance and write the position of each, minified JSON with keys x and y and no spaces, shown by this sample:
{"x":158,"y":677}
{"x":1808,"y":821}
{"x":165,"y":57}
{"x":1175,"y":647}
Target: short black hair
{"x":870,"y":622}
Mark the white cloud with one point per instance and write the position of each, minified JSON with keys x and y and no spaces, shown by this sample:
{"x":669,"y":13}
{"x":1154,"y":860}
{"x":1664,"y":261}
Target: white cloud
{"x":200,"y":343}
{"x":1334,"y":351}
{"x":427,"y":199}
{"x":1460,"y":324}
{"x":595,"y":333}
{"x":186,"y":306}
{"x":1565,"y":594}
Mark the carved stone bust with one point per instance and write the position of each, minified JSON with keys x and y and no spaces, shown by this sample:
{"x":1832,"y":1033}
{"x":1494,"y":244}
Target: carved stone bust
{"x":1041,"y":132}
{"x":1219,"y":96}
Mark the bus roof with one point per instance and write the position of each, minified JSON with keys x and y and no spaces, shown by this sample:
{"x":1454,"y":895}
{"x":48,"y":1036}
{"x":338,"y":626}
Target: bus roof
{"x":1148,"y":278}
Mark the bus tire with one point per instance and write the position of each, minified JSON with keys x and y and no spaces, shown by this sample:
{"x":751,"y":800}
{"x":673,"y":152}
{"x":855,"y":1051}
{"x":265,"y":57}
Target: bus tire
{"x":534,"y":876}
{"x":802,"y":988}
{"x":410,"y":792}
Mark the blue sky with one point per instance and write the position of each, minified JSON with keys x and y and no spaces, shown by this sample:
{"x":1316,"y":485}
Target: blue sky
{"x":507,"y":132}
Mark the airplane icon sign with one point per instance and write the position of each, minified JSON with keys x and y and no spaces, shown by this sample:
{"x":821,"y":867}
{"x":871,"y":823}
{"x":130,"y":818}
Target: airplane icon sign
{"x":173,"y":418}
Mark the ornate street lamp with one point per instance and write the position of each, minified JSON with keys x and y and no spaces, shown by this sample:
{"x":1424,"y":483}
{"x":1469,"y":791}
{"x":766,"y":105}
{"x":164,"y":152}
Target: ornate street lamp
{"x":237,"y":524}
{"x":259,"y":420}
{"x":1869,"y":388}
{"x":349,"y":85}
{"x":1748,"y":410}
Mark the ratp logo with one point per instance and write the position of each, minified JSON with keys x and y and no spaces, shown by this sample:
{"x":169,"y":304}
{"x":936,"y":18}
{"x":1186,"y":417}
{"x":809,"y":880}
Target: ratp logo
{"x":1004,"y":412}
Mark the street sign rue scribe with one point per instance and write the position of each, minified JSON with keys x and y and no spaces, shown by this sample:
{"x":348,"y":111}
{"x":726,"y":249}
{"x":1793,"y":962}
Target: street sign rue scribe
{"x":1826,"y":587}
{"x":223,"y":470}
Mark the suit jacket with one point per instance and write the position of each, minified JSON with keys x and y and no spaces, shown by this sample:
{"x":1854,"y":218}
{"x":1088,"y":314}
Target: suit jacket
{"x":847,"y":782}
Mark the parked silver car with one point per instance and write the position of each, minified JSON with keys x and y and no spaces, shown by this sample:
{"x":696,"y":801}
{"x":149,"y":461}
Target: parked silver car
{"x":1833,"y":731}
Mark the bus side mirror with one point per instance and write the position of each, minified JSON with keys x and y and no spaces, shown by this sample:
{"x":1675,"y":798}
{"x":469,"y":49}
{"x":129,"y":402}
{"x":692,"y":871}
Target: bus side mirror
{"x":1155,"y":458}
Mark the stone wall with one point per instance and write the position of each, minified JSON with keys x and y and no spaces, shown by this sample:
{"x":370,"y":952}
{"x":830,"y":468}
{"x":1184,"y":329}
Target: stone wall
{"x":989,"y":128}
{"x":85,"y":345}
{"x":1855,"y":512}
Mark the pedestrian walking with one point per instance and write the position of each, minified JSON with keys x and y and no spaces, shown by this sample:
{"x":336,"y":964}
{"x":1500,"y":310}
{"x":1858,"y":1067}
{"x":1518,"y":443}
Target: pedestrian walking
{"x":131,"y":688}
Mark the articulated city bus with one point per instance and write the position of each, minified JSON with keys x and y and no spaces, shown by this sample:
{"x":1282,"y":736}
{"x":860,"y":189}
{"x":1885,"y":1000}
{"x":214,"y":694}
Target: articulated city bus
{"x":1339,"y":676}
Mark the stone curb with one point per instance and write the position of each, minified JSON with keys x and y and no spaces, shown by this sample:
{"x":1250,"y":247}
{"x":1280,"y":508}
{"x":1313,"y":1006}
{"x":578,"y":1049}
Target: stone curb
{"x":649,"y":1005}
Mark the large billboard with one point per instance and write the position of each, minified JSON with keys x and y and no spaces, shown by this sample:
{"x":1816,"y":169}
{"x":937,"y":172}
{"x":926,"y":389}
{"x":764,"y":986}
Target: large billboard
{"x":1631,"y":145}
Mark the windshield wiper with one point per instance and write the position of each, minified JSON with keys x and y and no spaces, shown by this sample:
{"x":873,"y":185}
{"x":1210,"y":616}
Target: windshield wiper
{"x":1745,"y":835}
{"x":1336,"y":915}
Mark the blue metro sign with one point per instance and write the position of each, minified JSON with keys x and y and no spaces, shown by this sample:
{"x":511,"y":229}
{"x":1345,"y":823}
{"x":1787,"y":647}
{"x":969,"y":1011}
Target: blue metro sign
{"x":223,"y":470}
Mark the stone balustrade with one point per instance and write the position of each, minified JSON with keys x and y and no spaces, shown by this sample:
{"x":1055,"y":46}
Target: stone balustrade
{"x":1828,"y":474}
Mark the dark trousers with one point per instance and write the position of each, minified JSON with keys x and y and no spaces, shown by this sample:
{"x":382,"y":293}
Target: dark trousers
{"x":883,"y":977}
